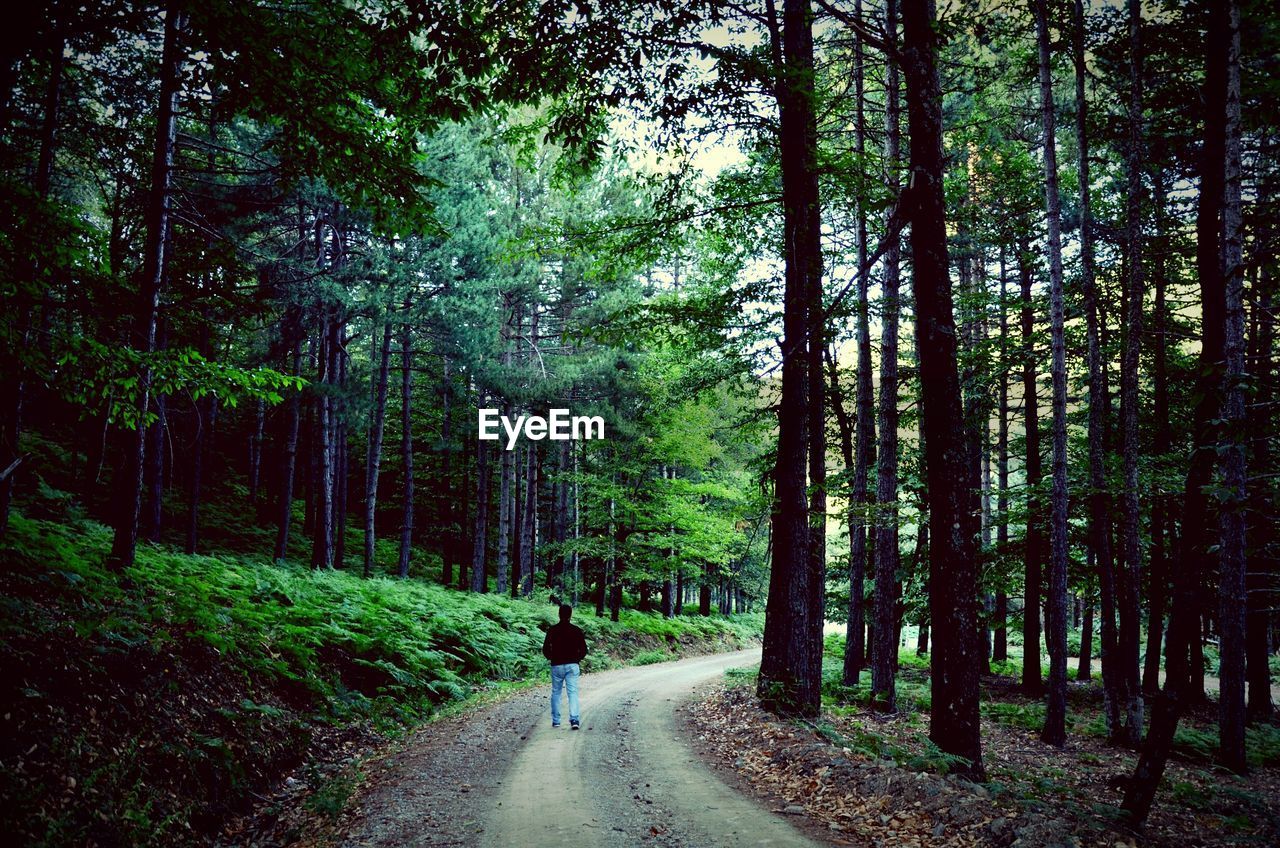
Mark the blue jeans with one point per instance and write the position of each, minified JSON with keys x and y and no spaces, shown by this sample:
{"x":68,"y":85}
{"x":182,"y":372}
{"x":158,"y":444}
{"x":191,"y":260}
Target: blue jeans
{"x":564,"y":676}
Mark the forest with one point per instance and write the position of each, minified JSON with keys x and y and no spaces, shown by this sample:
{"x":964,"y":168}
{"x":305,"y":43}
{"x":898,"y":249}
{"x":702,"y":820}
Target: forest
{"x":924,"y":352}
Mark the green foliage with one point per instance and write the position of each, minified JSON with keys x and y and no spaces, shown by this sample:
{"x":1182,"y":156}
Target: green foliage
{"x":1262,"y":745}
{"x":289,"y":648}
{"x":1026,"y":716}
{"x":105,"y":379}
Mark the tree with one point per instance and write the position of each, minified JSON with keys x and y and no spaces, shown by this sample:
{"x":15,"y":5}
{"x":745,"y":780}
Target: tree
{"x":1197,"y":522}
{"x":129,"y":500}
{"x":1234,"y":441}
{"x":885,"y":650}
{"x":954,"y":722}
{"x":1033,"y":543}
{"x":406,"y":444}
{"x":1127,"y":582}
{"x":791,"y":667}
{"x":1055,"y":716}
{"x":377,"y":426}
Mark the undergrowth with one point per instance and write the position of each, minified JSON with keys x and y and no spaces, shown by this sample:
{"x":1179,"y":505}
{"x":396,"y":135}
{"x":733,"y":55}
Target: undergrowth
{"x":151,"y":703}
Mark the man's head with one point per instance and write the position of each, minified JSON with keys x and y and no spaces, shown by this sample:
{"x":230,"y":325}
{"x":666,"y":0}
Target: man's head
{"x":566,"y":613}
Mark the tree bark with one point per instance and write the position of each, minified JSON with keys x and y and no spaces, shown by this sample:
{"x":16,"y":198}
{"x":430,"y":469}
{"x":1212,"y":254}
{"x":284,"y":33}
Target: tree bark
{"x":406,"y":450}
{"x":322,"y":537}
{"x":1131,"y":565}
{"x":1000,"y":640}
{"x":453,"y":523}
{"x":885,"y":656}
{"x":1055,"y":732}
{"x":790,"y":679}
{"x":124,"y":544}
{"x":377,"y":429}
{"x":1084,"y":669}
{"x":1259,"y":604}
{"x":1099,"y":502}
{"x":342,"y":465}
{"x":1197,"y":536}
{"x":1233,"y":504}
{"x":255,"y":452}
{"x":1158,"y":566}
{"x":528,"y":527}
{"x":560,"y":527}
{"x":480,"y":536}
{"x":506,"y":493}
{"x":855,"y":646}
{"x":953,"y":579}
{"x":1033,"y":545}
{"x":288,"y":458}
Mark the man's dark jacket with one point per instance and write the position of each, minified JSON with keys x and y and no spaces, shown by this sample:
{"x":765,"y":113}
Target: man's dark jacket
{"x":565,"y":643}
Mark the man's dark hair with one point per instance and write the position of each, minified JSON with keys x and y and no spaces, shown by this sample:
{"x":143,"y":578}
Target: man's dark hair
{"x":566,"y":612}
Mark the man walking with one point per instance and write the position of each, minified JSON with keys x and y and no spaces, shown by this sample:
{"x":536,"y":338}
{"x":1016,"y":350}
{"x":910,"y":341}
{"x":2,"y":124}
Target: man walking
{"x":565,"y":646}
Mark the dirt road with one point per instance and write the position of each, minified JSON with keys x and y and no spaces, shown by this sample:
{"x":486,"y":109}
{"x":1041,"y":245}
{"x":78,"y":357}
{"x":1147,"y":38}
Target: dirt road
{"x":500,"y":776}
{"x":628,"y":778}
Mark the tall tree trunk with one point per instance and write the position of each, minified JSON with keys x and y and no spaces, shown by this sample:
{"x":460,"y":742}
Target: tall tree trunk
{"x":517,"y":517}
{"x":1000,"y":646}
{"x":855,"y":646}
{"x":1158,"y":567}
{"x":528,"y":524}
{"x":155,"y":471}
{"x":1033,"y":546}
{"x":1084,"y":669}
{"x":1259,"y":604}
{"x":506,"y":494}
{"x":953,"y":579}
{"x":1127,"y":575}
{"x":1055,"y":732}
{"x":560,"y":527}
{"x":406,"y":449}
{"x":481,"y":534}
{"x":255,"y":452}
{"x":1099,"y":502}
{"x":129,"y":489}
{"x":855,"y":496}
{"x":528,"y":527}
{"x":377,"y":428}
{"x":466,"y":526}
{"x":322,"y":536}
{"x":1233,"y":446}
{"x":1197,"y":522}
{"x":152,"y":518}
{"x":453,"y":523}
{"x":342,"y":466}
{"x":885,"y":656}
{"x":790,"y":678}
{"x":288,"y":457}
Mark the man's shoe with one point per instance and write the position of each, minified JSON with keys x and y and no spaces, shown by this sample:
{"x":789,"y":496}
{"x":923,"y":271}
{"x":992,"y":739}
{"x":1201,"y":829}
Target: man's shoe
{"x":573,"y":724}
{"x":554,"y":725}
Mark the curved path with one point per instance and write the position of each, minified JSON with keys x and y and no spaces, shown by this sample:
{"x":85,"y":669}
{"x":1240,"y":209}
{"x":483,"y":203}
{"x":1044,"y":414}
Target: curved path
{"x":628,"y":777}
